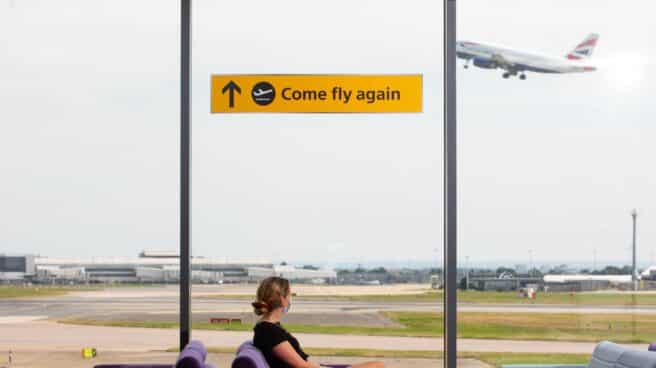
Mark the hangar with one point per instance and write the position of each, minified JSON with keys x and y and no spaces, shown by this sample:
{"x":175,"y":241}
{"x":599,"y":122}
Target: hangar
{"x":148,"y":267}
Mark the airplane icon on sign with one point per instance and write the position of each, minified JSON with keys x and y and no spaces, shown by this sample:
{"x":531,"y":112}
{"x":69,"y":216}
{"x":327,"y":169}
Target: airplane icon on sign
{"x":261,"y":92}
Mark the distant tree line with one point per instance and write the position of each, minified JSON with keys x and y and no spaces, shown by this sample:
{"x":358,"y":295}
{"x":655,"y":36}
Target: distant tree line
{"x":563,"y":269}
{"x":384,"y":275}
{"x":406,"y":275}
{"x":610,"y":270}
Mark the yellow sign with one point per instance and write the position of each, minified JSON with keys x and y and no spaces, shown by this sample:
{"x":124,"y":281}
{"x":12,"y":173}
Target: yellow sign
{"x":316,"y":93}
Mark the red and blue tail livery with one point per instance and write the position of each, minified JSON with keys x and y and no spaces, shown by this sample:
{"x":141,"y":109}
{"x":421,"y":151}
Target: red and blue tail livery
{"x":584,"y":49}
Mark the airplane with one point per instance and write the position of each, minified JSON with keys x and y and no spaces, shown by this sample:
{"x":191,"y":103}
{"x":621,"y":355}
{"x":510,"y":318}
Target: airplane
{"x":513,"y":62}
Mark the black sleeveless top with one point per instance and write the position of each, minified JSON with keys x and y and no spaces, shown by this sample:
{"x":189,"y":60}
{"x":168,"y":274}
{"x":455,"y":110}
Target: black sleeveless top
{"x":267,"y":336}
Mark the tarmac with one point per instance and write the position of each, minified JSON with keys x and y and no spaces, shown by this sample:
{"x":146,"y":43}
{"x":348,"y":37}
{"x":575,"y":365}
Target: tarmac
{"x":29,"y":328}
{"x":53,"y":337}
{"x":161,"y":304}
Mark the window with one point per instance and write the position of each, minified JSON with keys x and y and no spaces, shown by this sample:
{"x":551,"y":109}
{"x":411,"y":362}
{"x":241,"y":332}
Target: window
{"x":554,"y":155}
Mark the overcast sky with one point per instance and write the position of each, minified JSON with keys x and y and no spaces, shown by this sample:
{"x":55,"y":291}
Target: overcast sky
{"x":89,"y":133}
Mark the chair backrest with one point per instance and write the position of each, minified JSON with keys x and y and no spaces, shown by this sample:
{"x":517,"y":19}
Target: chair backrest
{"x":192,"y":356}
{"x":610,"y":355}
{"x":199,"y":347}
{"x":636,"y":359}
{"x":248,"y":356}
{"x":605,"y":355}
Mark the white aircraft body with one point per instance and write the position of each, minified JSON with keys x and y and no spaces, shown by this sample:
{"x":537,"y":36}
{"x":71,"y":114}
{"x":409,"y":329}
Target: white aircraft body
{"x":514,"y":62}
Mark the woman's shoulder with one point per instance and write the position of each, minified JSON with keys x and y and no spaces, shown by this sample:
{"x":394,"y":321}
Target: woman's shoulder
{"x":267,"y":335}
{"x":265,"y":326}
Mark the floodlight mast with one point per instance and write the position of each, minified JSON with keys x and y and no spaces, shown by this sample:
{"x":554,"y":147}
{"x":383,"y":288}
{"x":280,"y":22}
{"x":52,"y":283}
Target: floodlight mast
{"x":634,"y":270}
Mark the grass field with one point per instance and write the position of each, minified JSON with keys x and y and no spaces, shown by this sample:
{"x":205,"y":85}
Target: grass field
{"x":591,"y":299}
{"x":12,"y":291}
{"x":487,"y":297}
{"x":494,"y":359}
{"x":37,"y":291}
{"x":629,"y":328}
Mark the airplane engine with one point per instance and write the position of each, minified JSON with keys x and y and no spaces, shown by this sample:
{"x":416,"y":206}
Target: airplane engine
{"x":485,"y":63}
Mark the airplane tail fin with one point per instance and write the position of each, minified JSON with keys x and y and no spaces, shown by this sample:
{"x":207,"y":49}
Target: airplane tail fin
{"x":584,"y":49}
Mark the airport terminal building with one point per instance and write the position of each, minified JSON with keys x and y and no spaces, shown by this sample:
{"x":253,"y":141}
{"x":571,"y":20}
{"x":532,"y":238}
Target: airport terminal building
{"x":148,"y":267}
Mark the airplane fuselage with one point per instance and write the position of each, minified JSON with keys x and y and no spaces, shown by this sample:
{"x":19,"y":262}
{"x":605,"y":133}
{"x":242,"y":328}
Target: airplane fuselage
{"x":490,"y":56}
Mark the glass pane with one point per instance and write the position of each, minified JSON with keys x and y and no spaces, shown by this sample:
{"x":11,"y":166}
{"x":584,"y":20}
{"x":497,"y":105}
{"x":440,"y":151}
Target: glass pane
{"x":347,"y":206}
{"x":89,"y":159}
{"x":555,"y":154}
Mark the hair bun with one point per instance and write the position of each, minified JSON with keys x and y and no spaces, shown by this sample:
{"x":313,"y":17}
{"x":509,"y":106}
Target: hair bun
{"x":260,"y":307}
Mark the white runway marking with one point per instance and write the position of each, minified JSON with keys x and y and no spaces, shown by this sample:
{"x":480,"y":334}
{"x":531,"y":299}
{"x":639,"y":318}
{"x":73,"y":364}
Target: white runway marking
{"x":20,"y":319}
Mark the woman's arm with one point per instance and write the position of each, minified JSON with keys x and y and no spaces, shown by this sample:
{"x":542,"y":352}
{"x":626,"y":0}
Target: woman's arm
{"x":286,"y":353}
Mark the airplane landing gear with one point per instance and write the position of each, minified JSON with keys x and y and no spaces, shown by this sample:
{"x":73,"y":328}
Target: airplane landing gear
{"x":509,"y":74}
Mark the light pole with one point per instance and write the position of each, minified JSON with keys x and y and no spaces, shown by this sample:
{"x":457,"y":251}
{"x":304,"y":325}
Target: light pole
{"x":634,"y":271}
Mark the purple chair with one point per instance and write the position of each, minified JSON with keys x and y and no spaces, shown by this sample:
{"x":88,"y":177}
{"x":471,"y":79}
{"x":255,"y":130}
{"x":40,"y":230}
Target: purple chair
{"x":248,"y":356}
{"x":652,"y":346}
{"x":192,"y":356}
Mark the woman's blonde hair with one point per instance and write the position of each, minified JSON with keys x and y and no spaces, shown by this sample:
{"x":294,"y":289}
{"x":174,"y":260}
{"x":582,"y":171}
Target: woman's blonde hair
{"x":270,"y":294}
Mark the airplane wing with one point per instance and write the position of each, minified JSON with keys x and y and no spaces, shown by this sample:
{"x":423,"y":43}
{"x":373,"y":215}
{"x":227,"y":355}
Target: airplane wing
{"x":505,"y":64}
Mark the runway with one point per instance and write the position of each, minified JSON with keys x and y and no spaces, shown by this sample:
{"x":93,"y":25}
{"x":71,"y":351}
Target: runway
{"x":30,"y":324}
{"x":157,"y":303}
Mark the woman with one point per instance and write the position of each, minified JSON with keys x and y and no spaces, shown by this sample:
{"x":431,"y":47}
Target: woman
{"x":279,"y":347}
